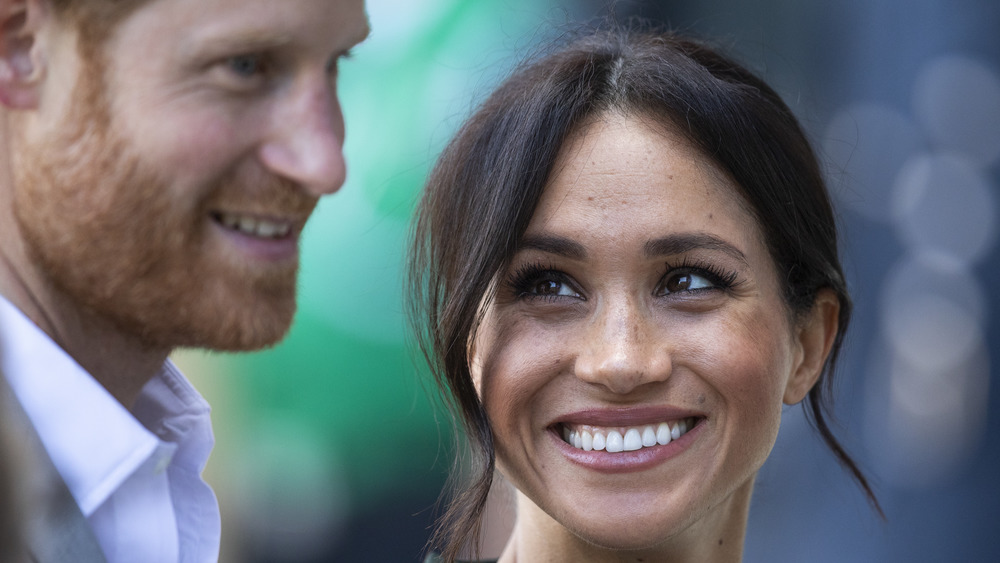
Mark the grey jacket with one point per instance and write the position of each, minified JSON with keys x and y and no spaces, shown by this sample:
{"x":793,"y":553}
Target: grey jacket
{"x":54,"y":529}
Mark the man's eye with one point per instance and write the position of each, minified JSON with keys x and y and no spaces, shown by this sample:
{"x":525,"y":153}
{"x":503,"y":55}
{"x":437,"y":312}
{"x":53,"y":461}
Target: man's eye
{"x":246,"y":66}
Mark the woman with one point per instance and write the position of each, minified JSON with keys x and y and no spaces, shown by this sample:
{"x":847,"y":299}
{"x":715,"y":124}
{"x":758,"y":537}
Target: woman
{"x":624,"y":264}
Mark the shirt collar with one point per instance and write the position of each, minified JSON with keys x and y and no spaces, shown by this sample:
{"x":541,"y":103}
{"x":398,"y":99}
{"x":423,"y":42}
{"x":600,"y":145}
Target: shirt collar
{"x":93,"y":441}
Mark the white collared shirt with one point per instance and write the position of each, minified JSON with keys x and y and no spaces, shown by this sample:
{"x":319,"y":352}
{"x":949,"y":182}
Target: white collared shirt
{"x":136,"y":476}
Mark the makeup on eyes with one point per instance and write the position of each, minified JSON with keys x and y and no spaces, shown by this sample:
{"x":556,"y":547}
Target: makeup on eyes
{"x":526,"y":282}
{"x":719,"y":278}
{"x":544,"y":280}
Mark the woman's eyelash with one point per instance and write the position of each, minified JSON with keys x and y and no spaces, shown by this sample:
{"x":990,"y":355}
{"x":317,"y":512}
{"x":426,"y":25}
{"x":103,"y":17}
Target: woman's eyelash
{"x":718,"y":276}
{"x":523,"y":280}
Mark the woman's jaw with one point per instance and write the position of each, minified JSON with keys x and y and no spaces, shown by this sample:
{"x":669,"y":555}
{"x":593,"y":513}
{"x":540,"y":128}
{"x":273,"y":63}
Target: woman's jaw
{"x":642,"y":303}
{"x":539,"y":536}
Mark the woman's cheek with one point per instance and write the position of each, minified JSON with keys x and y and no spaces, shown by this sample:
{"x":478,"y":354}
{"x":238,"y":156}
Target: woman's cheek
{"x":745,"y":360}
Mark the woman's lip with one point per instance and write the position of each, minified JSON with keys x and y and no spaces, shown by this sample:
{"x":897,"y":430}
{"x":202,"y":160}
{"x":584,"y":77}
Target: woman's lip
{"x":626,"y":416}
{"x":626,"y":462}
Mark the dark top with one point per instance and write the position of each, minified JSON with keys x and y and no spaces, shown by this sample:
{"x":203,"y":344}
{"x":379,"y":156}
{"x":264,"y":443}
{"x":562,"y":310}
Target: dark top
{"x":436,"y":558}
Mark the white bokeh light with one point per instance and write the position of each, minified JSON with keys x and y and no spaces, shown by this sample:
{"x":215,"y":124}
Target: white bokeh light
{"x":943,"y":204}
{"x":933,"y":332}
{"x":957,"y":101}
{"x":920,"y":279}
{"x":865,"y":144}
{"x":933,"y":420}
{"x":930,"y":387}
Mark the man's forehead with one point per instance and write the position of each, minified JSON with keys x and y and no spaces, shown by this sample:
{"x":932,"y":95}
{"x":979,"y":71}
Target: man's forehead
{"x":259,"y":20}
{"x":342,"y":23}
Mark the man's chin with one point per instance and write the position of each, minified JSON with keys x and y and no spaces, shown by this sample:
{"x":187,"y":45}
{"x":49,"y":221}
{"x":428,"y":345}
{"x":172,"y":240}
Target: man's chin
{"x":229,"y":322}
{"x":252,"y":328}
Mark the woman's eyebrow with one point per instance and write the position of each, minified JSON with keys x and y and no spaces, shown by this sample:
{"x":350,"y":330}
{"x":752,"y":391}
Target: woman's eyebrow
{"x":554,"y":245}
{"x":685,"y":242}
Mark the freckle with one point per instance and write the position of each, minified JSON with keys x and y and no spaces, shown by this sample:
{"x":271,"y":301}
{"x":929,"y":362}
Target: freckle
{"x":711,"y":216}
{"x":591,"y":198}
{"x":701,"y":400}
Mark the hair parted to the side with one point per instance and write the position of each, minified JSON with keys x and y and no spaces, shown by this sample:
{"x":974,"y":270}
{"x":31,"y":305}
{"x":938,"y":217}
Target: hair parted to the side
{"x":483,"y":191}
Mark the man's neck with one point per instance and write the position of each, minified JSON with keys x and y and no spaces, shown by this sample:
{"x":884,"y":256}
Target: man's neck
{"x":120,"y":362}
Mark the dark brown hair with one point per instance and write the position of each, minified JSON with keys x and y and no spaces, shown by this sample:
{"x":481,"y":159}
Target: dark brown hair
{"x":483,"y":191}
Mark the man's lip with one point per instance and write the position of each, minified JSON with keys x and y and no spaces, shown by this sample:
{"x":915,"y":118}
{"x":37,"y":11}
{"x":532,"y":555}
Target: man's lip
{"x":626,"y":416}
{"x":294,"y":222}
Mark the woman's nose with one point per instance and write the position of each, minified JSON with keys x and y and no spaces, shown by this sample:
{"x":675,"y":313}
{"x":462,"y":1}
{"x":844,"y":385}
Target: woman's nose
{"x":623,"y":349}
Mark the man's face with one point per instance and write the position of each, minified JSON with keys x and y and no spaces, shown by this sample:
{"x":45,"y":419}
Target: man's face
{"x":164,"y":184}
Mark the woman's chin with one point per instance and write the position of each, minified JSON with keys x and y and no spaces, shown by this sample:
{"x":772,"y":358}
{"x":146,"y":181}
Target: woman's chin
{"x":641,"y":534}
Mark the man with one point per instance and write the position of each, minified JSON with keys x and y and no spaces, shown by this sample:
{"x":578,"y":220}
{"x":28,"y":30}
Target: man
{"x":158,"y":160}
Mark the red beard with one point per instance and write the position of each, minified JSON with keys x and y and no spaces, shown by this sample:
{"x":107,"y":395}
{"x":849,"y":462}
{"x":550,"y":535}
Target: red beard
{"x":118,"y":239}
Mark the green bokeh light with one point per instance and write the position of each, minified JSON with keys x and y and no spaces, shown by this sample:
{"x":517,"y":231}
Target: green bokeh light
{"x":346,"y":373}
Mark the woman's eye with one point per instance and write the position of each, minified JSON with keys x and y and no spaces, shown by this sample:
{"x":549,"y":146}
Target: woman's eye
{"x":551,"y":288}
{"x":685,"y":281}
{"x":535,"y":282}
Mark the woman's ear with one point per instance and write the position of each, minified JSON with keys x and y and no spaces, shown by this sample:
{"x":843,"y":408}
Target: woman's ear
{"x":815,"y":335}
{"x":476,"y":370}
{"x":21,"y":65}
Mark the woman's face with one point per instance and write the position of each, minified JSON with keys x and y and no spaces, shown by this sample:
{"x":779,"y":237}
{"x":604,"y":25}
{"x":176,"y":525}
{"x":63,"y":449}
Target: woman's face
{"x":634,"y":361}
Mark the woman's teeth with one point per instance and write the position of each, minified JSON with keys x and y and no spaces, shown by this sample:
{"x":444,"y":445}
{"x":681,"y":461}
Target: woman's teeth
{"x":629,"y":439}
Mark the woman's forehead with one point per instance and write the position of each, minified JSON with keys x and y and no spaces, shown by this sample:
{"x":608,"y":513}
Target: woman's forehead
{"x":624,"y":172}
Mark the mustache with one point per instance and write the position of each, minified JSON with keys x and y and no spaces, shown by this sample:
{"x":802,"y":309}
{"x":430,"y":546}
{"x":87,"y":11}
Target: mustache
{"x":263,"y":194}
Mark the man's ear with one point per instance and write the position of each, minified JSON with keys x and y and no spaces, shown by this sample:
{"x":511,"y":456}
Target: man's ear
{"x":21,"y":66}
{"x":815,"y":335}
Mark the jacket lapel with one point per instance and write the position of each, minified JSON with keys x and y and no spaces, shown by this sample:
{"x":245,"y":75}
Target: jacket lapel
{"x":55,"y":528}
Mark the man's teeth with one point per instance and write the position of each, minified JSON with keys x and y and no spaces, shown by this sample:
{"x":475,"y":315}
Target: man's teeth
{"x":630,"y":439}
{"x":254,"y":226}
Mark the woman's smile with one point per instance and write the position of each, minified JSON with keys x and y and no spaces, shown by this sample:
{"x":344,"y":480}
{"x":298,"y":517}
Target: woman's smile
{"x":625,"y":438}
{"x":624,"y":266}
{"x":634,"y":358}
{"x":626,"y":449}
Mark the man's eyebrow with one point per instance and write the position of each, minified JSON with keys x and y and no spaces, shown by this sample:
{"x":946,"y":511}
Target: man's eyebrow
{"x":685,"y":242}
{"x":554,"y":245}
{"x":264,"y":39}
{"x":254,"y":40}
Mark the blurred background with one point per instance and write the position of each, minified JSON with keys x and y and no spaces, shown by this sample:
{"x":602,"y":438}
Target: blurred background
{"x":329,"y":448}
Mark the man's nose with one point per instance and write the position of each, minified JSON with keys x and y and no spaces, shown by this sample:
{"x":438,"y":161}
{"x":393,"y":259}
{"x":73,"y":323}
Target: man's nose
{"x":306,"y":138}
{"x":623,"y":349}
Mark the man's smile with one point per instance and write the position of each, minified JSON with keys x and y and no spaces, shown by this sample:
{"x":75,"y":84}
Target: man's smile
{"x":254,"y":225}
